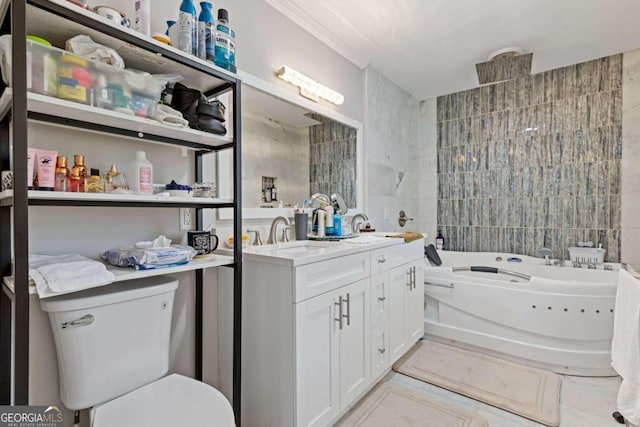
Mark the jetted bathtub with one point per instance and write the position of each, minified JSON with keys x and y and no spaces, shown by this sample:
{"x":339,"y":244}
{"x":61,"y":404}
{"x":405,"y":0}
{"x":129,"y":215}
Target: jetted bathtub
{"x":557,"y":318}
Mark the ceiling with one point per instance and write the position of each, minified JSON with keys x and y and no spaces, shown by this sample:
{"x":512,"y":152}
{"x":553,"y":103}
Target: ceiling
{"x":430,"y":47}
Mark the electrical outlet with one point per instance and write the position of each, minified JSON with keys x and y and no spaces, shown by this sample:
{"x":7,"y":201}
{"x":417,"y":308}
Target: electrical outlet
{"x":186,"y":219}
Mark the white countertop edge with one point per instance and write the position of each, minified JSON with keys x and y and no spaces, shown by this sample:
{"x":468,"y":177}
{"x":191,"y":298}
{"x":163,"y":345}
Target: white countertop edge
{"x":346,"y":249}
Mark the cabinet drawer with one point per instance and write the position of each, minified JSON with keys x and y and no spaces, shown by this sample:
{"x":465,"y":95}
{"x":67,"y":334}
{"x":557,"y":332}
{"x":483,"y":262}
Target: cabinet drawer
{"x":379,"y":351}
{"x":320,"y":277}
{"x":384,"y":259}
{"x":379,"y":298}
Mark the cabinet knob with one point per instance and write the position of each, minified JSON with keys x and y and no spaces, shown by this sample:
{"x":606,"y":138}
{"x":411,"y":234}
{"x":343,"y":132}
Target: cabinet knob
{"x":381,"y":260}
{"x":382,"y":350}
{"x":382,"y":299}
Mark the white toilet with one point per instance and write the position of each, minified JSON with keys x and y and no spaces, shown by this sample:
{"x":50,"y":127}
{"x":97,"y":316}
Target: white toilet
{"x":112,"y":344}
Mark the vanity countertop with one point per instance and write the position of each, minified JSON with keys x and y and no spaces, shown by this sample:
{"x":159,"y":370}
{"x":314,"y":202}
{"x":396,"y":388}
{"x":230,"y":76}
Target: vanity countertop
{"x":301,"y":252}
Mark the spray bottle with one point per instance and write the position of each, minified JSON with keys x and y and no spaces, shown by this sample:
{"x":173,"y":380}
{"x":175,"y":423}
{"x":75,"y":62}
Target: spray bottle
{"x":188,"y":31}
{"x":205,"y":42}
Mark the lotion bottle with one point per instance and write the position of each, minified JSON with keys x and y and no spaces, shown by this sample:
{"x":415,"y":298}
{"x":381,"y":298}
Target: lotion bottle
{"x":143,"y":16}
{"x":321,"y":224}
{"x":143,"y":174}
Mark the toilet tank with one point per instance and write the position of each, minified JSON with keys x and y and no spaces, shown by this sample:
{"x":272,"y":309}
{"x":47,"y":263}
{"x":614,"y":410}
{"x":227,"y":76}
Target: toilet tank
{"x":112,"y":339}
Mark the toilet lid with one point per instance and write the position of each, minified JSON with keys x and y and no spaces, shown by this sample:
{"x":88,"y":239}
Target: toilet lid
{"x":171,"y":401}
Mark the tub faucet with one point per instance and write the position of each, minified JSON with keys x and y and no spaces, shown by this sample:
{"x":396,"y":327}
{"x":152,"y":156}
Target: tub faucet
{"x":546,"y":252}
{"x":273,"y":236}
{"x":354,"y":222}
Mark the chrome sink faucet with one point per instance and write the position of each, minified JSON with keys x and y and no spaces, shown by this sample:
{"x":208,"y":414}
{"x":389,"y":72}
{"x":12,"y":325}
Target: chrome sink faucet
{"x":355,"y":223}
{"x":257,"y":240}
{"x":274,"y":228}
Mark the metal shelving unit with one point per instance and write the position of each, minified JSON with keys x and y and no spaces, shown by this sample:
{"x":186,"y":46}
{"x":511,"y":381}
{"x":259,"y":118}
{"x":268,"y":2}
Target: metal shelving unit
{"x":58,"y":20}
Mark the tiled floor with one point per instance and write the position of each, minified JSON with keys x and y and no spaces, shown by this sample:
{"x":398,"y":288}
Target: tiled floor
{"x":584,"y":402}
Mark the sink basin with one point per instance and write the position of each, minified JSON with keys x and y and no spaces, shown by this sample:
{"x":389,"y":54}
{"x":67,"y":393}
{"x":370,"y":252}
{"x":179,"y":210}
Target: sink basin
{"x":297,"y":249}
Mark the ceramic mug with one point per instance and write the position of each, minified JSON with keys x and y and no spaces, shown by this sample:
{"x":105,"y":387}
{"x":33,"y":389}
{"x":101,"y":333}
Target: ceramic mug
{"x":7,"y":180}
{"x":113,"y":15}
{"x":202,"y":241}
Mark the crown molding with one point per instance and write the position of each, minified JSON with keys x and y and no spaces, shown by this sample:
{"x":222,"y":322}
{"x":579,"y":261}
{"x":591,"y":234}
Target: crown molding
{"x":301,"y":17}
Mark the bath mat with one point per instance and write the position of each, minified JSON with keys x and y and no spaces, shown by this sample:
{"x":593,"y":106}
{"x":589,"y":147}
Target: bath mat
{"x":390,"y":405}
{"x":529,"y":392}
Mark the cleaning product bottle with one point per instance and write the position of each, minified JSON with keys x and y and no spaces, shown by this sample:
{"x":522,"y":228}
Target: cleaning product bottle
{"x":188,"y":31}
{"x":225,"y":42}
{"x":143,"y":17}
{"x":439,"y":241}
{"x":205,"y":42}
{"x":143,"y":171}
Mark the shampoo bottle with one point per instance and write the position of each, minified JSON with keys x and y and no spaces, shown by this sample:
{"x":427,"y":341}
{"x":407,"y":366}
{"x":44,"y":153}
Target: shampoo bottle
{"x":143,"y":174}
{"x":225,"y":42}
{"x":205,"y":38}
{"x":187,"y":29}
{"x":439,"y":241}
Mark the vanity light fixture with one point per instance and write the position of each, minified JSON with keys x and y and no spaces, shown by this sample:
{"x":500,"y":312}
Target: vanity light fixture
{"x":309,"y":88}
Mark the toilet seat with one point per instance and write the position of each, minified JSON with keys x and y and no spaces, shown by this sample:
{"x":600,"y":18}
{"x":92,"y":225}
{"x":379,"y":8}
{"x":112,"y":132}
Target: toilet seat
{"x":171,"y":401}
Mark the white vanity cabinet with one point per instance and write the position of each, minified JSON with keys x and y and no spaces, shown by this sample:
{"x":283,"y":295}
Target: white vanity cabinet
{"x":398,"y":281}
{"x":332,"y":348}
{"x":316,"y":329}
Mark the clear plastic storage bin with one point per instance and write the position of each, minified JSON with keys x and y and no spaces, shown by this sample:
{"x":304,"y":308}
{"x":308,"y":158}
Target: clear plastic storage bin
{"x":62,"y":74}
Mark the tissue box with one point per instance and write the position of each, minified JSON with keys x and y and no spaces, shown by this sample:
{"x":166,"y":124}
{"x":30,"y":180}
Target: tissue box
{"x":587,"y":254}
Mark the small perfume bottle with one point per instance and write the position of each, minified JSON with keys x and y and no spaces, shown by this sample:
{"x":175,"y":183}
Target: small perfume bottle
{"x":78,"y":161}
{"x":77,"y":180}
{"x":115,"y":180}
{"x":62,"y":182}
{"x":94,"y":182}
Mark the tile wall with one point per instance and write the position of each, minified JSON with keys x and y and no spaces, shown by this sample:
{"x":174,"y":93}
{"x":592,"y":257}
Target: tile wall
{"x":332,"y":159}
{"x":533,"y":162}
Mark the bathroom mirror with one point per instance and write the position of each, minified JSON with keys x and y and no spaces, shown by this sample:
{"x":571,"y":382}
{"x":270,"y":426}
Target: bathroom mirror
{"x":295,"y":145}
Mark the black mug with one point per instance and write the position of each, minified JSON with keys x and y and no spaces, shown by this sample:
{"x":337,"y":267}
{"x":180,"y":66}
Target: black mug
{"x":202,"y":241}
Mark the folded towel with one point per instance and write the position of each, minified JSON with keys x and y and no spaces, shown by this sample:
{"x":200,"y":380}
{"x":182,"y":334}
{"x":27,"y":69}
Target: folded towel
{"x":66,"y":273}
{"x":169,"y":116}
{"x":408,"y":236}
{"x":365,"y":240}
{"x":625,"y":347}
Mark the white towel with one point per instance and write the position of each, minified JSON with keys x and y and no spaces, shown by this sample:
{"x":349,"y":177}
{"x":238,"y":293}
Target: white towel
{"x":66,"y":273}
{"x":625,"y":347}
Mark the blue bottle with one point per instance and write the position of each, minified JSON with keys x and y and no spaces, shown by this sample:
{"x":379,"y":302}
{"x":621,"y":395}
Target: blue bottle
{"x":337,"y":225}
{"x":205,"y":38}
{"x":187,"y":28}
{"x":225,"y":42}
{"x":169,"y":25}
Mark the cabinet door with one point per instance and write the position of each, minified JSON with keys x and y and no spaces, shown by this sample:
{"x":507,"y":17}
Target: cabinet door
{"x":379,"y":350}
{"x":355,"y":340}
{"x":379,"y":299}
{"x":399,"y":281}
{"x":317,"y":357}
{"x":415,"y":305}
